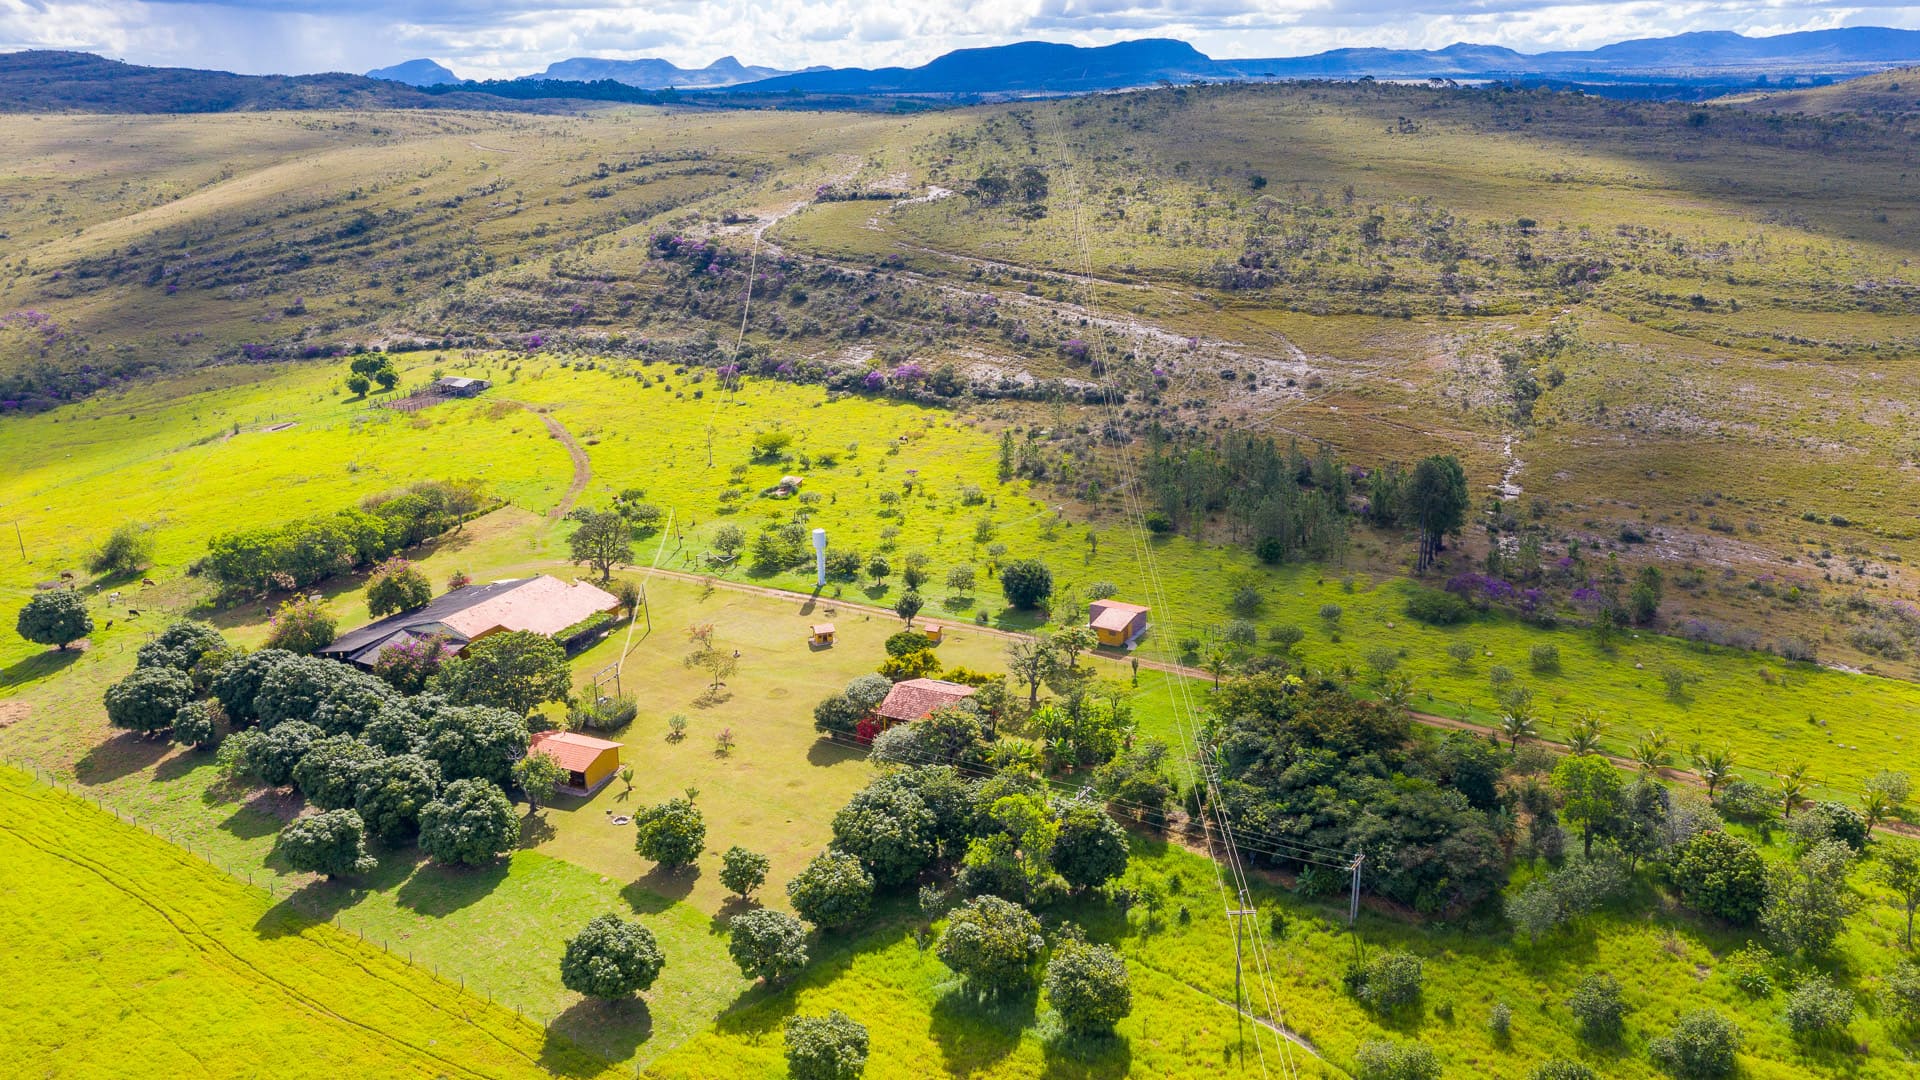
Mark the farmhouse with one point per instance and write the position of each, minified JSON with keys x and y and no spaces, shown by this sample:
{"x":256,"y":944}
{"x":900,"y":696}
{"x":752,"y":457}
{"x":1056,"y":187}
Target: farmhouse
{"x":457,"y":386}
{"x":589,"y":762}
{"x":1115,"y":623}
{"x":915,"y":698}
{"x":544,"y":605}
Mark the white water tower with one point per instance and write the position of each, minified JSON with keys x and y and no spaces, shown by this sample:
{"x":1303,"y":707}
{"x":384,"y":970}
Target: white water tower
{"x":820,"y":558}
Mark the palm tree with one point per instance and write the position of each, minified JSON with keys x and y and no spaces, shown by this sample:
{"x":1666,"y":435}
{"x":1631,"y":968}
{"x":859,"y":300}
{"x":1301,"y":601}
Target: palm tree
{"x":1518,"y":724}
{"x":1218,"y":663}
{"x":1793,"y":789}
{"x":1584,"y":736}
{"x":1714,"y":766}
{"x":1876,"y":806}
{"x":1396,"y":694}
{"x":1653,"y":751}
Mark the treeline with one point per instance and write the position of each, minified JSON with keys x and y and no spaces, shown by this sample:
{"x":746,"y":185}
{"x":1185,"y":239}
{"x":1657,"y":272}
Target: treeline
{"x":299,"y":553}
{"x":1286,"y":503}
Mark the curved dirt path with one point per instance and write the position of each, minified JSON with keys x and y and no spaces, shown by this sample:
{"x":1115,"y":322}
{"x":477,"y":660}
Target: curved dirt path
{"x":582,"y":465}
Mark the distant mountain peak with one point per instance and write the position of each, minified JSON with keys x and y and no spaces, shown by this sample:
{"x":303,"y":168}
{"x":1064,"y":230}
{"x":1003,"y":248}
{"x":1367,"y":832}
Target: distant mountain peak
{"x":420,"y":72}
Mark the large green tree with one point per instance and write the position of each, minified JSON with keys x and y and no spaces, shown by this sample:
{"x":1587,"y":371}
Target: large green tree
{"x":1590,"y":793}
{"x":475,"y":741}
{"x":993,"y":945}
{"x":58,"y":617}
{"x":1721,"y":875}
{"x":148,"y":699}
{"x":672,"y":834}
{"x":470,"y":823}
{"x":889,"y":829}
{"x":392,"y":793}
{"x":397,"y":585}
{"x":602,"y":540}
{"x":328,"y":774}
{"x":1437,"y":501}
{"x":1090,"y":848}
{"x":515,"y":670}
{"x":612,"y":958}
{"x":333,"y":843}
{"x":1087,"y":985}
{"x":1809,"y":902}
{"x":833,"y":891}
{"x":767,"y":944}
{"x":830,"y":1047}
{"x":1027,"y":583}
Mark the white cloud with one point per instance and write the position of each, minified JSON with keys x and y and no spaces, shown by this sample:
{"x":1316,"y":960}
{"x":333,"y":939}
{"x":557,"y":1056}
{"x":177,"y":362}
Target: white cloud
{"x":504,"y":38}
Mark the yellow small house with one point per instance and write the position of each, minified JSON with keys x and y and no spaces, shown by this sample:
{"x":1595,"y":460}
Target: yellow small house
{"x":589,"y":762}
{"x":1116,"y":624}
{"x":821,"y":634}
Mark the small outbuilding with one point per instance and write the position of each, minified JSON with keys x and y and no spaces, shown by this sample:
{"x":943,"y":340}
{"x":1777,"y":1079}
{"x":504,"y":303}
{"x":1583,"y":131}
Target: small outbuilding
{"x":915,"y":698}
{"x":821,"y":633}
{"x":590,"y":763}
{"x":934,"y":631}
{"x":1117,"y":624}
{"x":458,"y":386}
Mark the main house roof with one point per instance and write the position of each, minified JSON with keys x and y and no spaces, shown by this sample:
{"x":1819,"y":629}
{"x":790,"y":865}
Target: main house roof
{"x":544,"y":605}
{"x":915,"y":698}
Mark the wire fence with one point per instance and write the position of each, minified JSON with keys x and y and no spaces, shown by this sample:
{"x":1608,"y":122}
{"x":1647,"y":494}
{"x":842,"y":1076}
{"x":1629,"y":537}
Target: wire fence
{"x":273,"y":890}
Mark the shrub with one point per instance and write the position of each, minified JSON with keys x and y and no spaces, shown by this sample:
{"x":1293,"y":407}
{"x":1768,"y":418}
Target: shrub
{"x":672,"y":834}
{"x":1436,"y":608}
{"x":608,"y":713}
{"x":1378,"y":1059}
{"x":1461,"y":652}
{"x":397,"y":585}
{"x":767,"y":944}
{"x":830,"y":1047}
{"x":1750,"y":969}
{"x":1330,"y":613}
{"x":1597,"y":1004}
{"x":1721,"y":875}
{"x":1388,"y":983}
{"x":1900,"y":994}
{"x":1830,"y":821}
{"x":1088,"y":986}
{"x":831,"y":891}
{"x":612,"y":958}
{"x":993,"y":945}
{"x":1247,"y":601}
{"x":128,"y":549}
{"x":1500,"y":1021}
{"x":1702,"y":1046}
{"x":1286,"y":636}
{"x":1817,"y":1009}
{"x":300,"y":626}
{"x":1026,"y":583}
{"x":470,"y":823}
{"x":148,"y":699}
{"x":58,"y":617}
{"x":1544,"y":659}
{"x":333,"y":843}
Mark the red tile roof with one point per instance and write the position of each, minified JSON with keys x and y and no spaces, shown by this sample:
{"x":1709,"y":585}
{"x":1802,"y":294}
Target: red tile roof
{"x":915,"y":698}
{"x":572,"y":750}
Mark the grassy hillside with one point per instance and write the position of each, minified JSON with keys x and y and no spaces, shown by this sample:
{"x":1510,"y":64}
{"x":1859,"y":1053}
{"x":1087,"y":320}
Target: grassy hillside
{"x":160,"y":965}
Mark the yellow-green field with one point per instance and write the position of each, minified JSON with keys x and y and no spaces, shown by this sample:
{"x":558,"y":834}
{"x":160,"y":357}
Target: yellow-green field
{"x":128,"y":957}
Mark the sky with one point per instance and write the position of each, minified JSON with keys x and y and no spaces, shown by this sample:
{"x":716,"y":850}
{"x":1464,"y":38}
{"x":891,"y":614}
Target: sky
{"x":506,"y":38}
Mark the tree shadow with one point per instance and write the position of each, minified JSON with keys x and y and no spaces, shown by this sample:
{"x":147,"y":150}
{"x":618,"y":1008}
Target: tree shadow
{"x":974,"y":1034}
{"x":659,"y":889}
{"x":317,"y":901}
{"x":730,"y":909}
{"x":711,"y":696}
{"x":1086,"y":1057}
{"x":38,"y":666}
{"x":125,"y":753}
{"x":265,"y":813}
{"x":437,"y":891}
{"x":536,"y":829}
{"x":612,"y":1030}
{"x":189,"y":760}
{"x":824,"y":752}
{"x":957,"y":603}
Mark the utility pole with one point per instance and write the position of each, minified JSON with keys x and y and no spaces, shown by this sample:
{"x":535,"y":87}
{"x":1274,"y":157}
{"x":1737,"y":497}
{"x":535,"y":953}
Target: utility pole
{"x":1353,"y":900}
{"x":20,"y":539}
{"x":1239,"y":1008}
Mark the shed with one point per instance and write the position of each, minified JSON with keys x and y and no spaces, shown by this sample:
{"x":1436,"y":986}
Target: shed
{"x":822,"y":633}
{"x":915,"y":698}
{"x":459,"y":386}
{"x":590,"y":763}
{"x":1115,"y":623}
{"x":933,"y":632}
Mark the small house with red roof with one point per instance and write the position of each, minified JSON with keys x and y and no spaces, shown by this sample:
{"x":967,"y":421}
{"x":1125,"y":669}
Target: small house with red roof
{"x":1117,"y":624}
{"x":913,"y":699}
{"x":589,"y":762}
